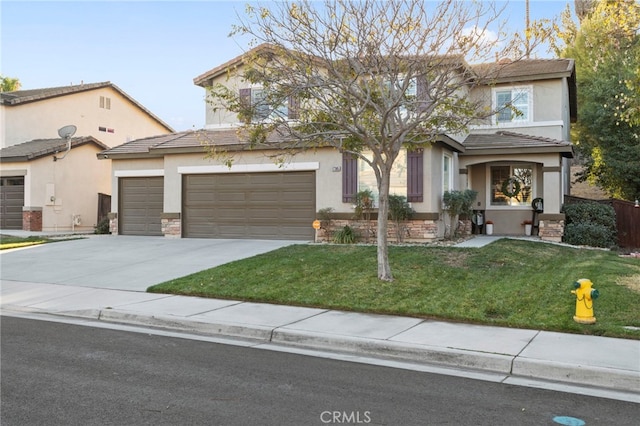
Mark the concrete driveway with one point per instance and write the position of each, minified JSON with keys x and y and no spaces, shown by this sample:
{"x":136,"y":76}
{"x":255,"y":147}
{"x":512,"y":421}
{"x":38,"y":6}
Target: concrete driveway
{"x":124,"y":262}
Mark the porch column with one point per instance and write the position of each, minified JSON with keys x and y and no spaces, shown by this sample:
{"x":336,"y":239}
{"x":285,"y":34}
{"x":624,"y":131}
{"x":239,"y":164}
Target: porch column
{"x":463,"y":179}
{"x":552,"y":182}
{"x":551,"y":222}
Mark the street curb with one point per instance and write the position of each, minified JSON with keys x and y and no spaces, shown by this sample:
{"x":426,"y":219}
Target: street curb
{"x":255,"y":332}
{"x":490,"y":362}
{"x":610,"y":378}
{"x":513,"y":366}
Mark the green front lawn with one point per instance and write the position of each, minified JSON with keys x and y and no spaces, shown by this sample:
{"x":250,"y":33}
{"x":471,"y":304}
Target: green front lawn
{"x":510,"y":283}
{"x":9,"y":242}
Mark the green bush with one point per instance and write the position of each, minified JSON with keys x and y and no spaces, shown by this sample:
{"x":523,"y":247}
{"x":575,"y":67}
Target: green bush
{"x":103,"y":226}
{"x":591,"y":224}
{"x":399,"y":211}
{"x":345,"y":236}
{"x":588,"y":234}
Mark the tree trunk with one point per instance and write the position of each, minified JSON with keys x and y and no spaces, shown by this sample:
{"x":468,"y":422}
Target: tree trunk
{"x":384,"y":269}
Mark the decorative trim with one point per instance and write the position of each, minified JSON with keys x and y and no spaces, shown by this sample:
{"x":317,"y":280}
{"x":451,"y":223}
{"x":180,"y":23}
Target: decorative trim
{"x":519,"y":124}
{"x":551,"y":216}
{"x":248,"y":168}
{"x":139,"y":173}
{"x":374,"y":216}
{"x":12,"y":173}
{"x":551,"y":169}
{"x":170,"y":215}
{"x":31,"y":209}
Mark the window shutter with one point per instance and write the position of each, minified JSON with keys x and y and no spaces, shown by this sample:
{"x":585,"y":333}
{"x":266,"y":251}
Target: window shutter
{"x":293,"y":112}
{"x":415,"y":175}
{"x":422,"y":93}
{"x":349,"y":177}
{"x":245,"y":97}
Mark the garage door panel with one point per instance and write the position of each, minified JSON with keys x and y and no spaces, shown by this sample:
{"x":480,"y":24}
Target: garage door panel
{"x":141,"y":205}
{"x":250,"y":205}
{"x":11,"y":202}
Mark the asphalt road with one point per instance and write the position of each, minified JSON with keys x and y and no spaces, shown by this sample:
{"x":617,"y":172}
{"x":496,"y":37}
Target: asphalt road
{"x":60,"y":374}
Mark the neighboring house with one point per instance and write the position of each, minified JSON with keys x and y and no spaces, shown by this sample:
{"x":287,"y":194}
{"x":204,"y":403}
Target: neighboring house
{"x":41,"y":194}
{"x":191,"y":194}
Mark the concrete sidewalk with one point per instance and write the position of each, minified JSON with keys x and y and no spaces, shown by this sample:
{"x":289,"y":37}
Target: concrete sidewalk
{"x":516,"y":354}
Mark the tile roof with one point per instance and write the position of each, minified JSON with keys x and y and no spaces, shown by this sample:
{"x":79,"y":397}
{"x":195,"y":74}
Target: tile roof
{"x":512,"y":142}
{"x":19,"y":97}
{"x":188,"y":141}
{"x":38,"y":148}
{"x":525,"y":69}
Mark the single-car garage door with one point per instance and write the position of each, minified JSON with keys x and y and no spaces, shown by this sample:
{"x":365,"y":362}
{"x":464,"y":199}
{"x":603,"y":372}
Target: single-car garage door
{"x":141,"y":205}
{"x":11,"y":202}
{"x":249,"y":205}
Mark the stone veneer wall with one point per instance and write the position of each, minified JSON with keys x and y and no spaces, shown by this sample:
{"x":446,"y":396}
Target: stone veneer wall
{"x":171,"y":225}
{"x":414,"y":230}
{"x":551,"y":230}
{"x":32,"y":218}
{"x":113,"y":223}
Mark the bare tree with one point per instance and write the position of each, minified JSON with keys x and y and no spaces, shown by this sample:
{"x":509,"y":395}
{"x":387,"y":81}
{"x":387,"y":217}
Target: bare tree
{"x":369,"y":78}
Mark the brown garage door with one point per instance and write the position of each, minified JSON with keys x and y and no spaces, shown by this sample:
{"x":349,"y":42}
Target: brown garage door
{"x":249,"y":205}
{"x":141,"y":205}
{"x":11,"y":202}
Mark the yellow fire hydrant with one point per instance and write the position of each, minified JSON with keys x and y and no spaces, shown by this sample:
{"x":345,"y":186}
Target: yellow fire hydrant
{"x":584,"y":301}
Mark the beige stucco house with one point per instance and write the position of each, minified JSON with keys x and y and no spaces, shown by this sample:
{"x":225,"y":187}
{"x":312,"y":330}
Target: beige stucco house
{"x":191,"y":194}
{"x":42,"y":194}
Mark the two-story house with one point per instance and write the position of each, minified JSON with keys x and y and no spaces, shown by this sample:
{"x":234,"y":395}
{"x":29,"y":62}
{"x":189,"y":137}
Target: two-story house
{"x":511,"y":160}
{"x":49,"y":183}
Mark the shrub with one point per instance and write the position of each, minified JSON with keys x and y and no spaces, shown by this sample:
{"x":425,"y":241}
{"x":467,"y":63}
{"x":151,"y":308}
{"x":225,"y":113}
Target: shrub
{"x":456,"y":204}
{"x":588,"y":234}
{"x":399,"y":211}
{"x":591,"y":224}
{"x":345,"y":235}
{"x":103,"y":226}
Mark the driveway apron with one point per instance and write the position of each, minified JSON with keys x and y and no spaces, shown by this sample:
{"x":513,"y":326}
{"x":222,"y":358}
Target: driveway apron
{"x":124,"y":262}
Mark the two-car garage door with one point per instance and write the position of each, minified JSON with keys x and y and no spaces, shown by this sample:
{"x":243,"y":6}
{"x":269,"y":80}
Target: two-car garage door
{"x":274,"y":205}
{"x":278,"y":205}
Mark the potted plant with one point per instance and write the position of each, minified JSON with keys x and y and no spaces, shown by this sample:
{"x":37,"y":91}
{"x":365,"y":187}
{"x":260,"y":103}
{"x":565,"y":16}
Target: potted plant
{"x":527,"y":227}
{"x":489,"y":227}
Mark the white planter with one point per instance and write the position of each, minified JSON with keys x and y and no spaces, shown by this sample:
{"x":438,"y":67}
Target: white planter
{"x":527,"y":229}
{"x":489,"y":228}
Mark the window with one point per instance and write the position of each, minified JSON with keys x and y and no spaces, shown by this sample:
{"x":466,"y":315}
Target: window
{"x":406,"y":176}
{"x":447,"y":176}
{"x":511,"y":185}
{"x":513,"y":105}
{"x":398,"y":183}
{"x":105,"y":102}
{"x":257,"y":100}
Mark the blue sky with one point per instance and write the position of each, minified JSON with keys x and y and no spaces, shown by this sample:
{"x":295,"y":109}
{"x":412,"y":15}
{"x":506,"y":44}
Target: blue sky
{"x":150,"y":49}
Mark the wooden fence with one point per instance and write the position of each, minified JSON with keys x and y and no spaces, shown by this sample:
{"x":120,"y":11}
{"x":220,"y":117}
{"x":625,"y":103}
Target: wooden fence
{"x":627,"y":219}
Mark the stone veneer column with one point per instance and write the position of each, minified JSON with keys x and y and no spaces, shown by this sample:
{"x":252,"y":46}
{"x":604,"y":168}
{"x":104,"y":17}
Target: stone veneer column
{"x":32,"y":218}
{"x":551,"y":226}
{"x":171,"y":225}
{"x":113,"y":223}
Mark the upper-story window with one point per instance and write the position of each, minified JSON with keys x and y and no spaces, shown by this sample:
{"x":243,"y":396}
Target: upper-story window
{"x":262,"y":107}
{"x":105,"y":102}
{"x":513,"y":104}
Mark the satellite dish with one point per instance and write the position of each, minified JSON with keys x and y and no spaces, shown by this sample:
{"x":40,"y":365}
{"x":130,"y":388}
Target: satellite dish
{"x":67,"y":131}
